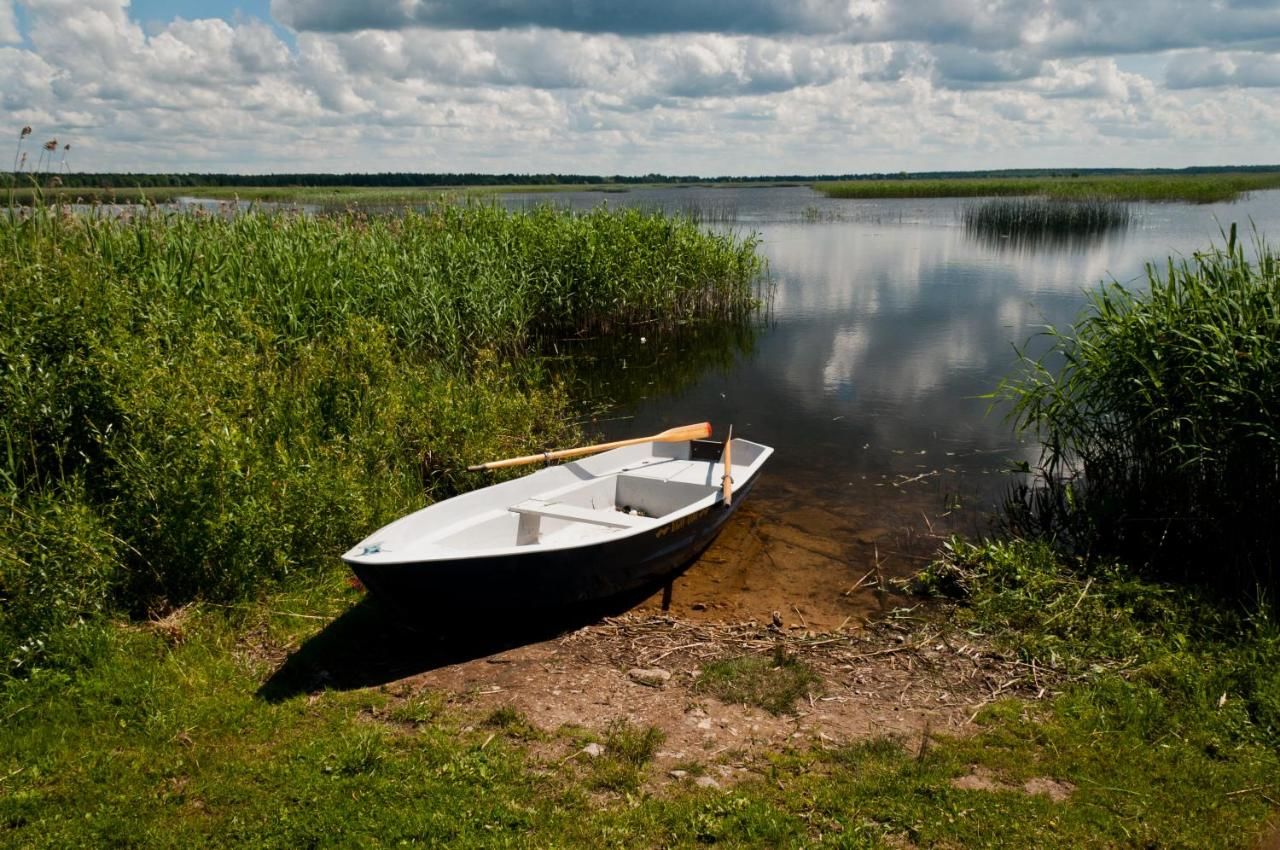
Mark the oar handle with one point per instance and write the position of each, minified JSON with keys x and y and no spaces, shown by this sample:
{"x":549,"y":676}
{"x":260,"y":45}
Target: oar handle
{"x":700,"y":431}
{"x":726,"y":459}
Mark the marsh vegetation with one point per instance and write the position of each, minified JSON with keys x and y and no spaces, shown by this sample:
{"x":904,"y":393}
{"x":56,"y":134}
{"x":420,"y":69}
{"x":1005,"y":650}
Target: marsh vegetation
{"x":1028,"y":222}
{"x":199,"y":407}
{"x":1157,"y":415}
{"x":1194,"y":188}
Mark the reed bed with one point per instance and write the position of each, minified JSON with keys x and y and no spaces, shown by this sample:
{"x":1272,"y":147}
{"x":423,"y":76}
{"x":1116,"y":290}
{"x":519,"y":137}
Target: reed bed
{"x":201,"y":406}
{"x":1026,"y":222}
{"x":336,"y":198}
{"x":1161,"y":430}
{"x":1192,"y":188}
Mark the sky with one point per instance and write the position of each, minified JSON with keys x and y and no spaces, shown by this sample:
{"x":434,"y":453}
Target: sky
{"x":708,"y":87}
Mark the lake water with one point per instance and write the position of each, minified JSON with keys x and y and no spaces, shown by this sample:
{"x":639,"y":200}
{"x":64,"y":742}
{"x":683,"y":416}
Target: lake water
{"x":888,"y":322}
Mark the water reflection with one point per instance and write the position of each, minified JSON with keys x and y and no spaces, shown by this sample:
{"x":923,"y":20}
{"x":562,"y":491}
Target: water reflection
{"x":627,"y":369}
{"x":890,"y":323}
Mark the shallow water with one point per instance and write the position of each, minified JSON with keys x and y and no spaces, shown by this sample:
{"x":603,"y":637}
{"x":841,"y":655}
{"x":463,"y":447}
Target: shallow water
{"x":888,"y":324}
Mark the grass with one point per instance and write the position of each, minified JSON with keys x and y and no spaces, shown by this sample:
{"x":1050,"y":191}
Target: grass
{"x":628,"y":749}
{"x":340,"y":197}
{"x":1194,"y":188}
{"x":326,"y":197}
{"x":204,"y":407}
{"x":773,"y":683}
{"x":1037,"y":221}
{"x":511,"y":722}
{"x":1158,"y":420}
{"x":161,"y":742}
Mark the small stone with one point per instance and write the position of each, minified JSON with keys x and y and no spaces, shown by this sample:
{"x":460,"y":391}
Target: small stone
{"x":653,"y":677}
{"x":594,"y":750}
{"x":699,"y":606}
{"x":706,"y":782}
{"x":679,"y":774}
{"x":705,"y":723}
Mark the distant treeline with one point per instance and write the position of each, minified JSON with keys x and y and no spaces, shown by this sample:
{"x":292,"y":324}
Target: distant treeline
{"x":415,"y":179}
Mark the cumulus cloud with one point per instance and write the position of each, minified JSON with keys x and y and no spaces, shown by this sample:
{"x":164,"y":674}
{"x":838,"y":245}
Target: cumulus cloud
{"x":762,"y":86}
{"x":592,"y":16}
{"x":965,"y":67}
{"x":8,"y":23}
{"x":1047,"y":28}
{"x":1202,"y":69}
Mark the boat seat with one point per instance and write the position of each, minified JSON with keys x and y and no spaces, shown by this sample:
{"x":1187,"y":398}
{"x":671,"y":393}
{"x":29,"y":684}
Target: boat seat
{"x":555,"y":510}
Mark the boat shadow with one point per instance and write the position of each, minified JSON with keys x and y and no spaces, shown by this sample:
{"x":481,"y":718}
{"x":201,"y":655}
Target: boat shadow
{"x":367,"y":646}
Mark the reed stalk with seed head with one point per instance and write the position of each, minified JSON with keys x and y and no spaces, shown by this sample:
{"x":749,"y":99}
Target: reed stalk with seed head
{"x":22,"y":136}
{"x":46,"y":154}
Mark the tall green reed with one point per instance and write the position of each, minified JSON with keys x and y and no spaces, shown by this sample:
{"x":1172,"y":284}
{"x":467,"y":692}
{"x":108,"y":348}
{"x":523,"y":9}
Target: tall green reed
{"x":1035,"y":222}
{"x":1193,"y":188}
{"x":1161,"y":428}
{"x":199,"y":406}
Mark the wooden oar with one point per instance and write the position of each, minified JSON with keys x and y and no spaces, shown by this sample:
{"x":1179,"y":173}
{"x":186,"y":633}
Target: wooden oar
{"x":726,"y":483}
{"x":672,"y":435}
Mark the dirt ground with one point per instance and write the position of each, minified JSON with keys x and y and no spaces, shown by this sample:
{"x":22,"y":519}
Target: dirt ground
{"x":900,"y":677}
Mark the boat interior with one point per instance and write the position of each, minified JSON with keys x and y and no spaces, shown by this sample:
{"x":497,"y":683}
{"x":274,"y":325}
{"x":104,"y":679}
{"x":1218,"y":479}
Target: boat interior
{"x":621,"y":490}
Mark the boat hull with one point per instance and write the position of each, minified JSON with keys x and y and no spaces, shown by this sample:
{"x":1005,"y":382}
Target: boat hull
{"x":553,"y":579}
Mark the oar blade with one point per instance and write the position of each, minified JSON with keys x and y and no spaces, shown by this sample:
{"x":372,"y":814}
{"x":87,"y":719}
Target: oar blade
{"x":700,"y":431}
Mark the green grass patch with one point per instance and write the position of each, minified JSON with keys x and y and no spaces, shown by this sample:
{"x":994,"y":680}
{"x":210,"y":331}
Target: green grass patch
{"x":1194,"y":188}
{"x":512,"y":722}
{"x":772,"y":682}
{"x":331,"y":198}
{"x":632,"y":744}
{"x":628,"y":749}
{"x":162,"y":743}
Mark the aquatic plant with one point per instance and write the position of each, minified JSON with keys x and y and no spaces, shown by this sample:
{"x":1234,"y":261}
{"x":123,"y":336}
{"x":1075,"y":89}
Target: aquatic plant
{"x":1194,"y":188}
{"x":1160,"y":430}
{"x":1029,"y":222}
{"x":200,"y":406}
{"x":22,"y":135}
